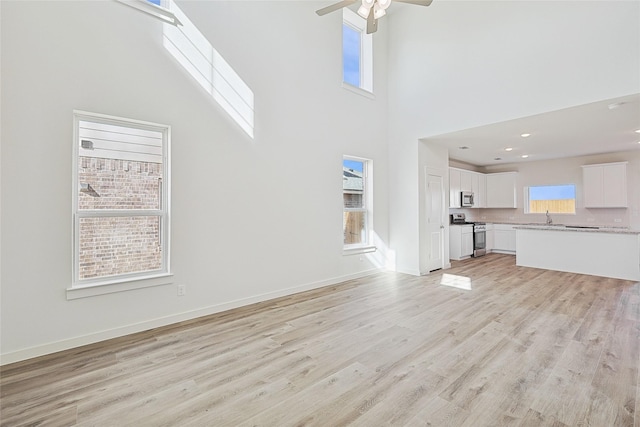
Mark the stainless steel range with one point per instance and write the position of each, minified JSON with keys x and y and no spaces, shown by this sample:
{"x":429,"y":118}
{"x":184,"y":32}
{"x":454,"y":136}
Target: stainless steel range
{"x":479,"y":233}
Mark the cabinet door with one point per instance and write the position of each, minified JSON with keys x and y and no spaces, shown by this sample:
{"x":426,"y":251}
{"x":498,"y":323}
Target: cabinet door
{"x":593,"y":183}
{"x":490,"y":238}
{"x":615,"y":185}
{"x":465,"y":181}
{"x":501,"y":190}
{"x":504,"y":238}
{"x":479,"y":190}
{"x":467,"y":243}
{"x":454,"y":188}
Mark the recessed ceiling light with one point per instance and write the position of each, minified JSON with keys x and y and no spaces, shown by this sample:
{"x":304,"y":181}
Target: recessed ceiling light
{"x":615,"y":105}
{"x":464,"y":147}
{"x":508,"y":149}
{"x":524,"y":156}
{"x":637,"y":130}
{"x":525,"y":135}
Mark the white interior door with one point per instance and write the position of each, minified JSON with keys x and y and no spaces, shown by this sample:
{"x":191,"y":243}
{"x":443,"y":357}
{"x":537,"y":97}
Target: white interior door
{"x":436,"y":217}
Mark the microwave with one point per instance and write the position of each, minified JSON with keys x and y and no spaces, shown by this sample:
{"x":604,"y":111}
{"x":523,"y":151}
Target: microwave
{"x":466,"y":199}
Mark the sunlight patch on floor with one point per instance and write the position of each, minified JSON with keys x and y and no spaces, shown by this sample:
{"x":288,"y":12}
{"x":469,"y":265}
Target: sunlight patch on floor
{"x":460,"y":282}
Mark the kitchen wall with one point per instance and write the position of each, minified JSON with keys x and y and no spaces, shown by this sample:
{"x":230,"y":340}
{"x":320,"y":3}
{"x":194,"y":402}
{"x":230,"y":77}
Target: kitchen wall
{"x":461,"y":64}
{"x":567,"y":171}
{"x":251,"y":218}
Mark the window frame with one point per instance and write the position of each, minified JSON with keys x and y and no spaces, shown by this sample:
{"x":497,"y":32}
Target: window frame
{"x":527,"y":200}
{"x":101,"y":285}
{"x":356,"y":22}
{"x":367,"y":194}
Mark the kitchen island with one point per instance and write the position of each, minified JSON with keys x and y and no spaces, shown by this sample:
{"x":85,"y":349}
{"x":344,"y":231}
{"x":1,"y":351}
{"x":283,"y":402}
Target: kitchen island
{"x":607,"y":252}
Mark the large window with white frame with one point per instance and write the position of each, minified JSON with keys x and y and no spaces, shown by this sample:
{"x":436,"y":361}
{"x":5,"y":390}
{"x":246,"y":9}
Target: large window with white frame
{"x":556,"y":199}
{"x":357,"y":52}
{"x":357,"y":202}
{"x":121,"y":199}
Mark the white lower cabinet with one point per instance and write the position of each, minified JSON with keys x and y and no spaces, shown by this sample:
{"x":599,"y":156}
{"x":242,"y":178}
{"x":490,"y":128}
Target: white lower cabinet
{"x":460,"y":241}
{"x":504,"y":238}
{"x":490,"y":238}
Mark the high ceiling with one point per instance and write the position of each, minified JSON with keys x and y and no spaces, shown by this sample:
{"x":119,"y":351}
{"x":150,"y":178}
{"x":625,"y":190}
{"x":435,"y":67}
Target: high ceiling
{"x":600,"y":127}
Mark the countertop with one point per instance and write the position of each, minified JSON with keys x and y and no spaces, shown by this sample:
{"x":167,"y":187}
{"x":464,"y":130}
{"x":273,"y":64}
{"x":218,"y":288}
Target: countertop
{"x":574,"y":228}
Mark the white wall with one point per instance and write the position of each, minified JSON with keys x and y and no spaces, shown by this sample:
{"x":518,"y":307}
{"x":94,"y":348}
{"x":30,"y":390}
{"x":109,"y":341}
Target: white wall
{"x":252,"y":219}
{"x":457,"y":65}
{"x":567,"y":171}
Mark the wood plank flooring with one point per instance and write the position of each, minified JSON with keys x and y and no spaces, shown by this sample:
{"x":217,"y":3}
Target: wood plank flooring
{"x":523,"y":347}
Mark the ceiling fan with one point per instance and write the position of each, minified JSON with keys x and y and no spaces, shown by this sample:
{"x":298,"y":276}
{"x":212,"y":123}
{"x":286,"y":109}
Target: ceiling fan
{"x":371,"y":10}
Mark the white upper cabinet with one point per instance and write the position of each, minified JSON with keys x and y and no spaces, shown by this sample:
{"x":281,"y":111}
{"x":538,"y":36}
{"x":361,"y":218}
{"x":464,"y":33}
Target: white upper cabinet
{"x":463,"y":180}
{"x":479,"y":189}
{"x":454,"y":188}
{"x":501,"y":190}
{"x":605,"y":185}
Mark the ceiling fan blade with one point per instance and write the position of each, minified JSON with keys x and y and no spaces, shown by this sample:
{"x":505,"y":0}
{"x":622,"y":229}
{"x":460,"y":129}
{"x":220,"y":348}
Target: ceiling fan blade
{"x":372,"y":23}
{"x":335,"y":6}
{"x":418,"y":2}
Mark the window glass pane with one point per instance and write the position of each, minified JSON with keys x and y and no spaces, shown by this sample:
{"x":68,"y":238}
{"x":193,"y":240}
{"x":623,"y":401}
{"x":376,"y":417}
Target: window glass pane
{"x":111,"y":246}
{"x":353,"y":184}
{"x":354,"y":227}
{"x":351,"y":55}
{"x":552,"y":198}
{"x":119,"y":184}
{"x":119,"y":167}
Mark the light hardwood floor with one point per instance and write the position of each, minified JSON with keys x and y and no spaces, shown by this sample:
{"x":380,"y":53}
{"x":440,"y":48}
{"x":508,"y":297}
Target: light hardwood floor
{"x":523,"y":347}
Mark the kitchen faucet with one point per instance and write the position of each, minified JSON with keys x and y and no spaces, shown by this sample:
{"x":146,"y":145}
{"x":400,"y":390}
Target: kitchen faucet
{"x":549,"y":220}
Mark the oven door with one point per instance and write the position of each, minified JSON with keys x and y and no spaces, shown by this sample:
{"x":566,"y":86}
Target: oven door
{"x":479,"y":242}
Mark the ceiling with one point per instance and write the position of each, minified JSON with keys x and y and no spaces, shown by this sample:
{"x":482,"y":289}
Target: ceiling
{"x":600,"y":127}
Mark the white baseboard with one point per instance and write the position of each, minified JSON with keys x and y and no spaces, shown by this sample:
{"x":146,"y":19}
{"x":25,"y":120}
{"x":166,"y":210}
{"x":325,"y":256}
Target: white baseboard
{"x":67,"y":344}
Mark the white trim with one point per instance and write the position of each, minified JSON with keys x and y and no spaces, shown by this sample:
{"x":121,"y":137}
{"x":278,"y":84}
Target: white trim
{"x":356,"y":250}
{"x":357,"y":90}
{"x":119,"y":284}
{"x":164,"y":213}
{"x":159,"y":12}
{"x":356,"y":22}
{"x":52,"y":347}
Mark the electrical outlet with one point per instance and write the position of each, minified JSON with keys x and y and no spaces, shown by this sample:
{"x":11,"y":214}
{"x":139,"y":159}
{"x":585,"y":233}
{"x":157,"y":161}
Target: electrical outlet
{"x":182,"y":290}
{"x":617,"y":220}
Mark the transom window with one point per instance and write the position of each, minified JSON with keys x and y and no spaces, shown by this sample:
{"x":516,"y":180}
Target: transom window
{"x":552,"y":198}
{"x":357,"y":52}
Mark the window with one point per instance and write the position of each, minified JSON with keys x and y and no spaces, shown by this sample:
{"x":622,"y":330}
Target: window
{"x":357,"y":52}
{"x":553,"y":198}
{"x":356,"y":195}
{"x":121,"y":199}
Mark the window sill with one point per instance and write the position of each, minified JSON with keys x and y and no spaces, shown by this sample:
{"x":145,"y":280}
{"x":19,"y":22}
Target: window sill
{"x":358,"y":90}
{"x":359,"y":250}
{"x":121,"y":285}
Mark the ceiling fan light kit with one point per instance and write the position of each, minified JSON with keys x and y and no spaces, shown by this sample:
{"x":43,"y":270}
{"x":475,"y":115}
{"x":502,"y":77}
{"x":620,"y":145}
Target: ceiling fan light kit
{"x":371,"y":10}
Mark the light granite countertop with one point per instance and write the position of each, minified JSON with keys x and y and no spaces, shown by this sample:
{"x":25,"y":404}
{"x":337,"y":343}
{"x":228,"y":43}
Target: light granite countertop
{"x":574,"y":228}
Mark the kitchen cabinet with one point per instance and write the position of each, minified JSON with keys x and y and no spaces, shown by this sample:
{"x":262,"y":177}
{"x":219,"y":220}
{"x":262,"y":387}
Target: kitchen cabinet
{"x":490,"y":238}
{"x":463,"y":180}
{"x":501,"y":190}
{"x":605,"y":185}
{"x":479,"y":189}
{"x":454,"y":188}
{"x":460,"y":241}
{"x":504,"y":238}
